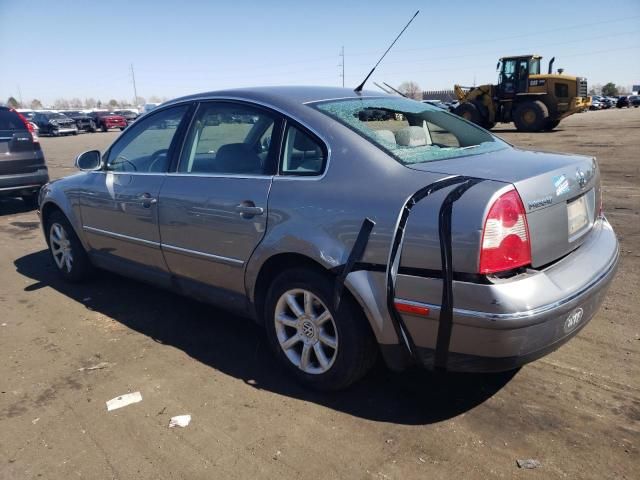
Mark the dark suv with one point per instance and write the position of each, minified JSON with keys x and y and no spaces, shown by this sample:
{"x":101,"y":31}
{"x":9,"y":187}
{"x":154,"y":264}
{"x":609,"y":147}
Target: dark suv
{"x":54,"y":124}
{"x":22,"y":167}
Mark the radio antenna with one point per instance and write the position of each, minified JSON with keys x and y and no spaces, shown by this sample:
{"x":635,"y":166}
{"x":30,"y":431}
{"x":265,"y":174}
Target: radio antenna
{"x":359,"y":88}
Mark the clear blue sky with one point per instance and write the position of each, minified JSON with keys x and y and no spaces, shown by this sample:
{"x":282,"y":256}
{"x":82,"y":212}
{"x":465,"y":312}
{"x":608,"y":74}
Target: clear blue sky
{"x":53,"y":49}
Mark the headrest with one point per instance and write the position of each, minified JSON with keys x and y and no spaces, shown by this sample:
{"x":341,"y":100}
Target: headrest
{"x":386,"y":135}
{"x":237,"y":158}
{"x":411,"y":137}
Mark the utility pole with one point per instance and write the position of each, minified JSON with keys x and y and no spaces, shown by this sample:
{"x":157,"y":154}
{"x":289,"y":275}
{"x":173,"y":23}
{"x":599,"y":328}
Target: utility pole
{"x":135,"y":92}
{"x":341,"y":65}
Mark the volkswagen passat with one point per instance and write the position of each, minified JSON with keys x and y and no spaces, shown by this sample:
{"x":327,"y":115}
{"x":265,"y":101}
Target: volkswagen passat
{"x":413,"y":234}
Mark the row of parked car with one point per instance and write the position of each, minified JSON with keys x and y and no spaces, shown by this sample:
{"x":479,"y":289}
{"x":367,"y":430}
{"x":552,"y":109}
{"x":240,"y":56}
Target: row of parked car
{"x":599,"y":102}
{"x":55,"y":123}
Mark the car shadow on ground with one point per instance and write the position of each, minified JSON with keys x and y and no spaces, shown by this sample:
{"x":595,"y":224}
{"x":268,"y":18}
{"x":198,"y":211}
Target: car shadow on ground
{"x":237,"y":347}
{"x":12,"y":206}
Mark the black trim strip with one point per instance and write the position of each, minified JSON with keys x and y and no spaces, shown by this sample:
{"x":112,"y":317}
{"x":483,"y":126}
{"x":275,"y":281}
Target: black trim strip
{"x":445,"y":323}
{"x":394,"y":258}
{"x":356,"y":254}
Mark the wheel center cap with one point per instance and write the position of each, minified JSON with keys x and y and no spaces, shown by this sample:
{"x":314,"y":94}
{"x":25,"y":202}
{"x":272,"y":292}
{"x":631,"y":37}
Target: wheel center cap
{"x":308,"y":329}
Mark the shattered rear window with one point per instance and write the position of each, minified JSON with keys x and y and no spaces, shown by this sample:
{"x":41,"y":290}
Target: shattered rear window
{"x":410,"y":131}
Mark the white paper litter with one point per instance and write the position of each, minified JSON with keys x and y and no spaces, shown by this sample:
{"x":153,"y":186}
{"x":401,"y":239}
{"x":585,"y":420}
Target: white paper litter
{"x":99,"y":366}
{"x":123,"y":400}
{"x":180,"y":421}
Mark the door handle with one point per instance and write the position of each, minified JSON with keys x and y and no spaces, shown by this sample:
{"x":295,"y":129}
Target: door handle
{"x":248,"y":209}
{"x":147,"y":200}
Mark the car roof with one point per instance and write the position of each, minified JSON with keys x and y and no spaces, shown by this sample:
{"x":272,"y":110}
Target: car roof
{"x":283,"y":96}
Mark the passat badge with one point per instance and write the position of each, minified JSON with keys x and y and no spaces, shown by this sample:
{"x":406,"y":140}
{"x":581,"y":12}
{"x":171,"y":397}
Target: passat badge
{"x":561,"y":183}
{"x":573,"y":319}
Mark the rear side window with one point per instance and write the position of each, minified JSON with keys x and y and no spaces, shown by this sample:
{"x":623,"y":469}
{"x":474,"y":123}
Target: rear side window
{"x":11,"y":121}
{"x":303,"y":154}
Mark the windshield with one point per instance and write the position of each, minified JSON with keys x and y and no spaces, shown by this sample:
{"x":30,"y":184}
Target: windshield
{"x":55,"y":115}
{"x":410,"y":131}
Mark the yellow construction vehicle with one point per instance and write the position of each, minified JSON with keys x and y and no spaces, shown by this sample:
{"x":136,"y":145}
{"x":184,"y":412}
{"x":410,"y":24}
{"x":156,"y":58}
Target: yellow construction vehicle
{"x":533,"y":101}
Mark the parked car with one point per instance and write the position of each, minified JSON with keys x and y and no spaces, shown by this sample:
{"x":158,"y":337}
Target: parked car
{"x":634,"y":101}
{"x":107,"y":120}
{"x":54,"y":124}
{"x":128,"y":115}
{"x":22,"y":166}
{"x":622,"y":102}
{"x":596,"y":103}
{"x":424,"y":238}
{"x":83,"y":121}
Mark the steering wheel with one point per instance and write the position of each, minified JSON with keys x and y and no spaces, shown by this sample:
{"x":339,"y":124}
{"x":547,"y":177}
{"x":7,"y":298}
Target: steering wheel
{"x":155,"y":157}
{"x":124,"y":160}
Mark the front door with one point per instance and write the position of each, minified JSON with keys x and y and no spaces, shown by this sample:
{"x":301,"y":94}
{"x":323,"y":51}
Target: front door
{"x":213,"y":209}
{"x":119,"y":205}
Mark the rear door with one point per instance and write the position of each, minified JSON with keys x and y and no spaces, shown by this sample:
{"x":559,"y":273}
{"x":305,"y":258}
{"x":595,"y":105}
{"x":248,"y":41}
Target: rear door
{"x":213,"y":209}
{"x":120,"y":203}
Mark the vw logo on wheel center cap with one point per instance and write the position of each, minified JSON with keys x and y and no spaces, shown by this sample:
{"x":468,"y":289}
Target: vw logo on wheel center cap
{"x":308,"y":329}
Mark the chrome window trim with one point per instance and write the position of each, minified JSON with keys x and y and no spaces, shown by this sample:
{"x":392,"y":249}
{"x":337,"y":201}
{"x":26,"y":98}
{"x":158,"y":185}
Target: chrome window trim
{"x":280,"y":111}
{"x":113,"y":172}
{"x":120,"y":236}
{"x":217,"y":175}
{"x":209,"y":256}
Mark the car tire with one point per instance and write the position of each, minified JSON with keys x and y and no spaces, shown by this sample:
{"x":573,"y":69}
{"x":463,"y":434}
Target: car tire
{"x":468,"y":111}
{"x":104,"y":128}
{"x":92,"y":127}
{"x":31,"y":200}
{"x":67,"y":253}
{"x":339,"y":343}
{"x":54,"y":133}
{"x":74,"y":133}
{"x":530,"y":116}
{"x":122,"y":128}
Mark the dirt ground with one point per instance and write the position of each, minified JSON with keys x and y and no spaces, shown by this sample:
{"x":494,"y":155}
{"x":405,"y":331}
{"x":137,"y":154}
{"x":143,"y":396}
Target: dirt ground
{"x":577,"y":411}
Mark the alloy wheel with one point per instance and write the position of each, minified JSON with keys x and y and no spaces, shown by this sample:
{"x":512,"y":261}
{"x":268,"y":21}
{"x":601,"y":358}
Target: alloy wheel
{"x":306,"y":331}
{"x":61,"y":247}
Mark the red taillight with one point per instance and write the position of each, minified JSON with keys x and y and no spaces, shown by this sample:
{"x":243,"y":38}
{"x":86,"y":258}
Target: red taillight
{"x":505,"y":238}
{"x":27,"y":124}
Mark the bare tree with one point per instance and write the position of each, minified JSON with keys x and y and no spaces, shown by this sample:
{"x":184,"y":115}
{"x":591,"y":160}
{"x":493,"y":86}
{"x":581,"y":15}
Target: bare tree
{"x":411,"y":89}
{"x":36,"y":104}
{"x":13,"y":103}
{"x":139,"y":101}
{"x":155,"y":99}
{"x":61,"y":104}
{"x":113,"y":104}
{"x":75,"y":102}
{"x":90,"y":102}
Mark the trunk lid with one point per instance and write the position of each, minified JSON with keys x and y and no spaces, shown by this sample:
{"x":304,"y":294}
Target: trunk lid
{"x":561,"y":193}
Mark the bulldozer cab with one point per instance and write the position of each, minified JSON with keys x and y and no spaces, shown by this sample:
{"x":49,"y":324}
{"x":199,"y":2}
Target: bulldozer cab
{"x":514,"y":74}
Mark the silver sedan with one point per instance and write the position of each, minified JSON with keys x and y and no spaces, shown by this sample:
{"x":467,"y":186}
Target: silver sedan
{"x":348,"y":224}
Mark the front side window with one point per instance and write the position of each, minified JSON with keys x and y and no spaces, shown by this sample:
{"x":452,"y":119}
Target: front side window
{"x":303,"y":154}
{"x":410,"y":131}
{"x":229,"y":138}
{"x":144,"y":148}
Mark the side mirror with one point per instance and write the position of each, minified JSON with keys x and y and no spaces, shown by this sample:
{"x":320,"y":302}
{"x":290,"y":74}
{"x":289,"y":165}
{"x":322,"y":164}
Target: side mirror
{"x":89,"y":161}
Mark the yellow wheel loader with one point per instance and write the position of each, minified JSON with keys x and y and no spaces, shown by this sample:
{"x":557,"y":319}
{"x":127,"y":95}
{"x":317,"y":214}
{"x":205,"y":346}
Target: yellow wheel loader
{"x":533,"y":101}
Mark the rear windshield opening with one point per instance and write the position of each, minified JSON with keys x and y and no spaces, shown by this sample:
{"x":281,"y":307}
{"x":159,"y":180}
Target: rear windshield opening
{"x":410,"y":131}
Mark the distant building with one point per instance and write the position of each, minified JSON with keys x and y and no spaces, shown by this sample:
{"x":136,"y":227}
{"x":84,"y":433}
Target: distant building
{"x":445,"y":96}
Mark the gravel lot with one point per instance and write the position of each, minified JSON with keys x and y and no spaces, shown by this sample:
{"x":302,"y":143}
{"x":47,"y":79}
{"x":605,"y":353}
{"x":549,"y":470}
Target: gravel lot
{"x":577,"y":411}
